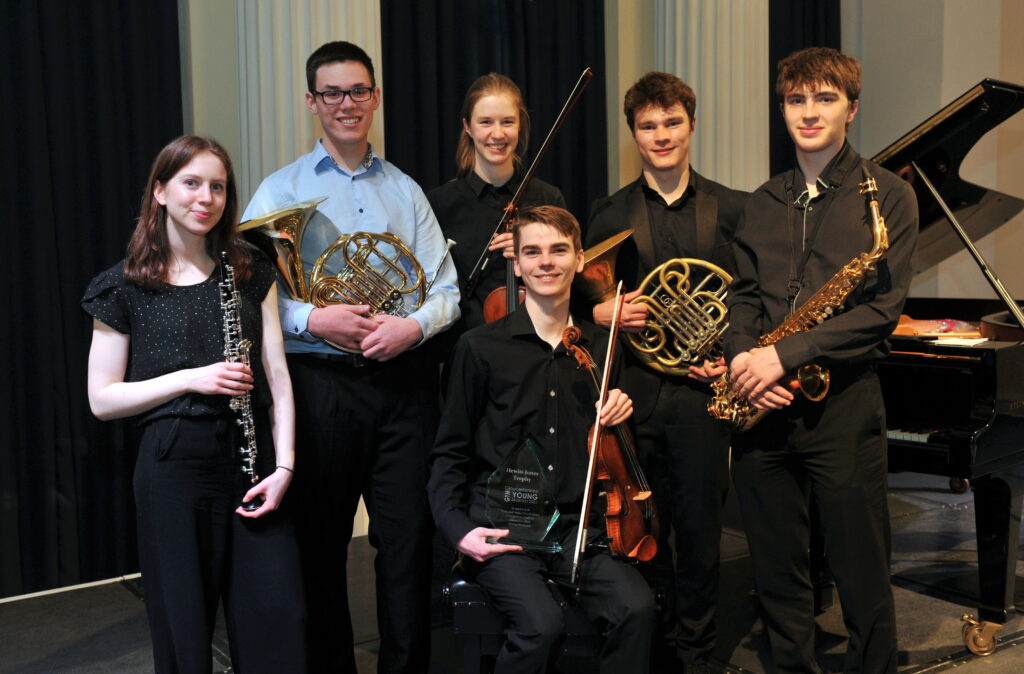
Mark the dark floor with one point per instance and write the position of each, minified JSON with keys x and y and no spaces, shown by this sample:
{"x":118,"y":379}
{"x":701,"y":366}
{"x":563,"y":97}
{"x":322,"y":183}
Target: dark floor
{"x":102,"y":628}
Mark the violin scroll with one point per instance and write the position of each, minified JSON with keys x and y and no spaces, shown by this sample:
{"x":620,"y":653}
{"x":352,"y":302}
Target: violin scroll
{"x":570,"y":339}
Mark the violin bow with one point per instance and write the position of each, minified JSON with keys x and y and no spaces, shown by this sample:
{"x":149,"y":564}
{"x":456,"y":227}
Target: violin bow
{"x":510,"y":210}
{"x":588,"y":490}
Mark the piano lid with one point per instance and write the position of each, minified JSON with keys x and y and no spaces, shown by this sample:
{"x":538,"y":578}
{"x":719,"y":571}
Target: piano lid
{"x":938,"y":146}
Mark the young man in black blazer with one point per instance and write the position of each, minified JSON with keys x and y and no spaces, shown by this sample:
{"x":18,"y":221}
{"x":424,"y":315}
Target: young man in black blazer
{"x":674,"y":213}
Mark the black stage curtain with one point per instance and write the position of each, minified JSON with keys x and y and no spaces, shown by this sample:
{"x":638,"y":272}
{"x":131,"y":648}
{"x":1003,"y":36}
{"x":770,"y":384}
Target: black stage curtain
{"x":794,"y":25}
{"x":91,"y":91}
{"x":434,"y":49}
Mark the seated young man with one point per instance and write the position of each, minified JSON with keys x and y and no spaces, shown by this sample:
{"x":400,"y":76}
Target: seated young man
{"x":512,"y":380}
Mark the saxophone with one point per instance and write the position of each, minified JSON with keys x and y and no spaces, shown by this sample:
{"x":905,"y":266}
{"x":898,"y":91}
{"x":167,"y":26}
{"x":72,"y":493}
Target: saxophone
{"x":236,"y":350}
{"x":810,"y":380}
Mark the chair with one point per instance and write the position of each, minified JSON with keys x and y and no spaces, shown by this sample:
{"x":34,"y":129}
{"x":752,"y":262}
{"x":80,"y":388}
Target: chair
{"x":482,"y":627}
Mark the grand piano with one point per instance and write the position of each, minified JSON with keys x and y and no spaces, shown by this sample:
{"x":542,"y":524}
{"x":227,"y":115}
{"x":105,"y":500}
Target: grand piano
{"x":958,"y":411}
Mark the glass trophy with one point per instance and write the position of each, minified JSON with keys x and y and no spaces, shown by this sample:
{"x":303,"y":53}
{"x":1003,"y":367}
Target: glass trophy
{"x":520,"y":499}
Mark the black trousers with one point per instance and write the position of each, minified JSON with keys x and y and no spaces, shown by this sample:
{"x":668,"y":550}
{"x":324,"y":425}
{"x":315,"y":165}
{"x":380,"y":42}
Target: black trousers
{"x":835,"y":453}
{"x":613,"y":594}
{"x":194,"y":550}
{"x":365,"y":431}
{"x":685,"y":455}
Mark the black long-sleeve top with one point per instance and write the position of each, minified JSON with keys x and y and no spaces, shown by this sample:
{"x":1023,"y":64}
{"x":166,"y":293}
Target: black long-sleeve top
{"x":468,"y":210}
{"x":777,"y":224}
{"x":507,"y":384}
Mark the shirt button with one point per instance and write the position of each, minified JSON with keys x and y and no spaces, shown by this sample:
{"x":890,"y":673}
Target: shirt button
{"x":550,"y":467}
{"x":551,"y":431}
{"x":552,"y":393}
{"x":360,"y":210}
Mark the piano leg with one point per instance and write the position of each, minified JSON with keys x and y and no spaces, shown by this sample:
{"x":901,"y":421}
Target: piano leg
{"x":997,"y":510}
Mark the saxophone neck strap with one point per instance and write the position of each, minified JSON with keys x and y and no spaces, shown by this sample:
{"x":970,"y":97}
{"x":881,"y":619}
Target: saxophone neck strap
{"x":799,"y":245}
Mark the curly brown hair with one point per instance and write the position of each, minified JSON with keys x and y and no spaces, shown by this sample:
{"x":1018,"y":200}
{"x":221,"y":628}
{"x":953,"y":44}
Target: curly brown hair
{"x":661,"y":89}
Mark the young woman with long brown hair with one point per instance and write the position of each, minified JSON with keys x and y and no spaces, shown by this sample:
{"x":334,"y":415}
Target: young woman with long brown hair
{"x":158,"y":354}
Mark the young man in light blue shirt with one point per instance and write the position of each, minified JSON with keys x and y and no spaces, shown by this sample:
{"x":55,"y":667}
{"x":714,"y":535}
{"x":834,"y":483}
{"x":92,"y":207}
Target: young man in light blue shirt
{"x":366,"y":415}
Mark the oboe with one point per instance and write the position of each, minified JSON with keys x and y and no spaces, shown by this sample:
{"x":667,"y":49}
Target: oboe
{"x":236,"y":350}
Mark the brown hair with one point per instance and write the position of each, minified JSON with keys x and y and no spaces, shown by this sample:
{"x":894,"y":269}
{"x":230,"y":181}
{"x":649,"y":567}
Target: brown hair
{"x":491,"y":84}
{"x":336,"y":52}
{"x":149,"y":251}
{"x":556,"y":217}
{"x":661,"y":89}
{"x":816,"y":65}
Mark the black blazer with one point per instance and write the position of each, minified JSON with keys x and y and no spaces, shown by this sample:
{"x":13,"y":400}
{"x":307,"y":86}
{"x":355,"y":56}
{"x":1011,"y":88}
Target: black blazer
{"x":718,"y":213}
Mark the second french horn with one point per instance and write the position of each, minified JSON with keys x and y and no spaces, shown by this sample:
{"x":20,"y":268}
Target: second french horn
{"x":685,"y":300}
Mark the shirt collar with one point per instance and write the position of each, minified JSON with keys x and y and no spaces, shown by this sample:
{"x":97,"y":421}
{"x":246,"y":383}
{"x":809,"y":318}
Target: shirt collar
{"x":520,"y":324}
{"x":831,"y":177}
{"x":322,"y":160}
{"x":650,"y":193}
{"x":479,"y":185}
{"x":840,"y":166}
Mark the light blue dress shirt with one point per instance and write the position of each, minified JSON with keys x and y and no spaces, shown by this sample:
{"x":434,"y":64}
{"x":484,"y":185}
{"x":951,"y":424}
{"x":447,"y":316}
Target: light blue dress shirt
{"x":377,"y":198}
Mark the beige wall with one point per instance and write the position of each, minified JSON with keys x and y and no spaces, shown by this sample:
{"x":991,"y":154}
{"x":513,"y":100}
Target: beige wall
{"x":919,"y":55}
{"x":244,"y":80}
{"x":721,"y":50}
{"x":630,"y":53}
{"x":210,"y":78}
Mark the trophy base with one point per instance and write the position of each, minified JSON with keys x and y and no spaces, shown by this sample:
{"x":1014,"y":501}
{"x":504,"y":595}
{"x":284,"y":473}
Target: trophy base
{"x":537,"y":546}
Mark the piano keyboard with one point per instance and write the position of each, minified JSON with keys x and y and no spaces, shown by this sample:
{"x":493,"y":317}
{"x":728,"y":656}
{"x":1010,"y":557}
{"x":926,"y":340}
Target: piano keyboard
{"x":906,"y":436}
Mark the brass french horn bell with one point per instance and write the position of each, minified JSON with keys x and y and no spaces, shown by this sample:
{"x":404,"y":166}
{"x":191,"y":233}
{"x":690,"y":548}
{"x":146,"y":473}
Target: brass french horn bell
{"x":685,"y":317}
{"x":376,"y":268}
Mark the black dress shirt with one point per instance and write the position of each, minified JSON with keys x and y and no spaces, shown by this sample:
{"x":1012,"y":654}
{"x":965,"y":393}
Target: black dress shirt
{"x":507,"y":384}
{"x":674,"y":225}
{"x":779,"y":224}
{"x":468,"y":210}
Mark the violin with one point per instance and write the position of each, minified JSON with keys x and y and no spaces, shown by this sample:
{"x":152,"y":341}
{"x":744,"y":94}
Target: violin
{"x":503,"y":300}
{"x":631,"y":519}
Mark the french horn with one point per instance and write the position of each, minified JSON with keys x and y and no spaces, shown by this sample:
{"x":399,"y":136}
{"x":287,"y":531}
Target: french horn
{"x":372,"y":268}
{"x":685,"y":300}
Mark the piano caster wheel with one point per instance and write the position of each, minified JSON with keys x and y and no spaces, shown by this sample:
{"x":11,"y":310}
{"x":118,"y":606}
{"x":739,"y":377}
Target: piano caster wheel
{"x":959,"y":485}
{"x":979,"y":637}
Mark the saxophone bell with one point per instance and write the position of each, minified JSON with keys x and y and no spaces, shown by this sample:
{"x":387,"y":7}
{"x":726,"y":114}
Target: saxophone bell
{"x":812,"y":381}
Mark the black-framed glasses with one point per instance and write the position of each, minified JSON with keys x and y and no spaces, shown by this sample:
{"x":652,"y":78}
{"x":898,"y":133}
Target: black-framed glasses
{"x":336,"y":96}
